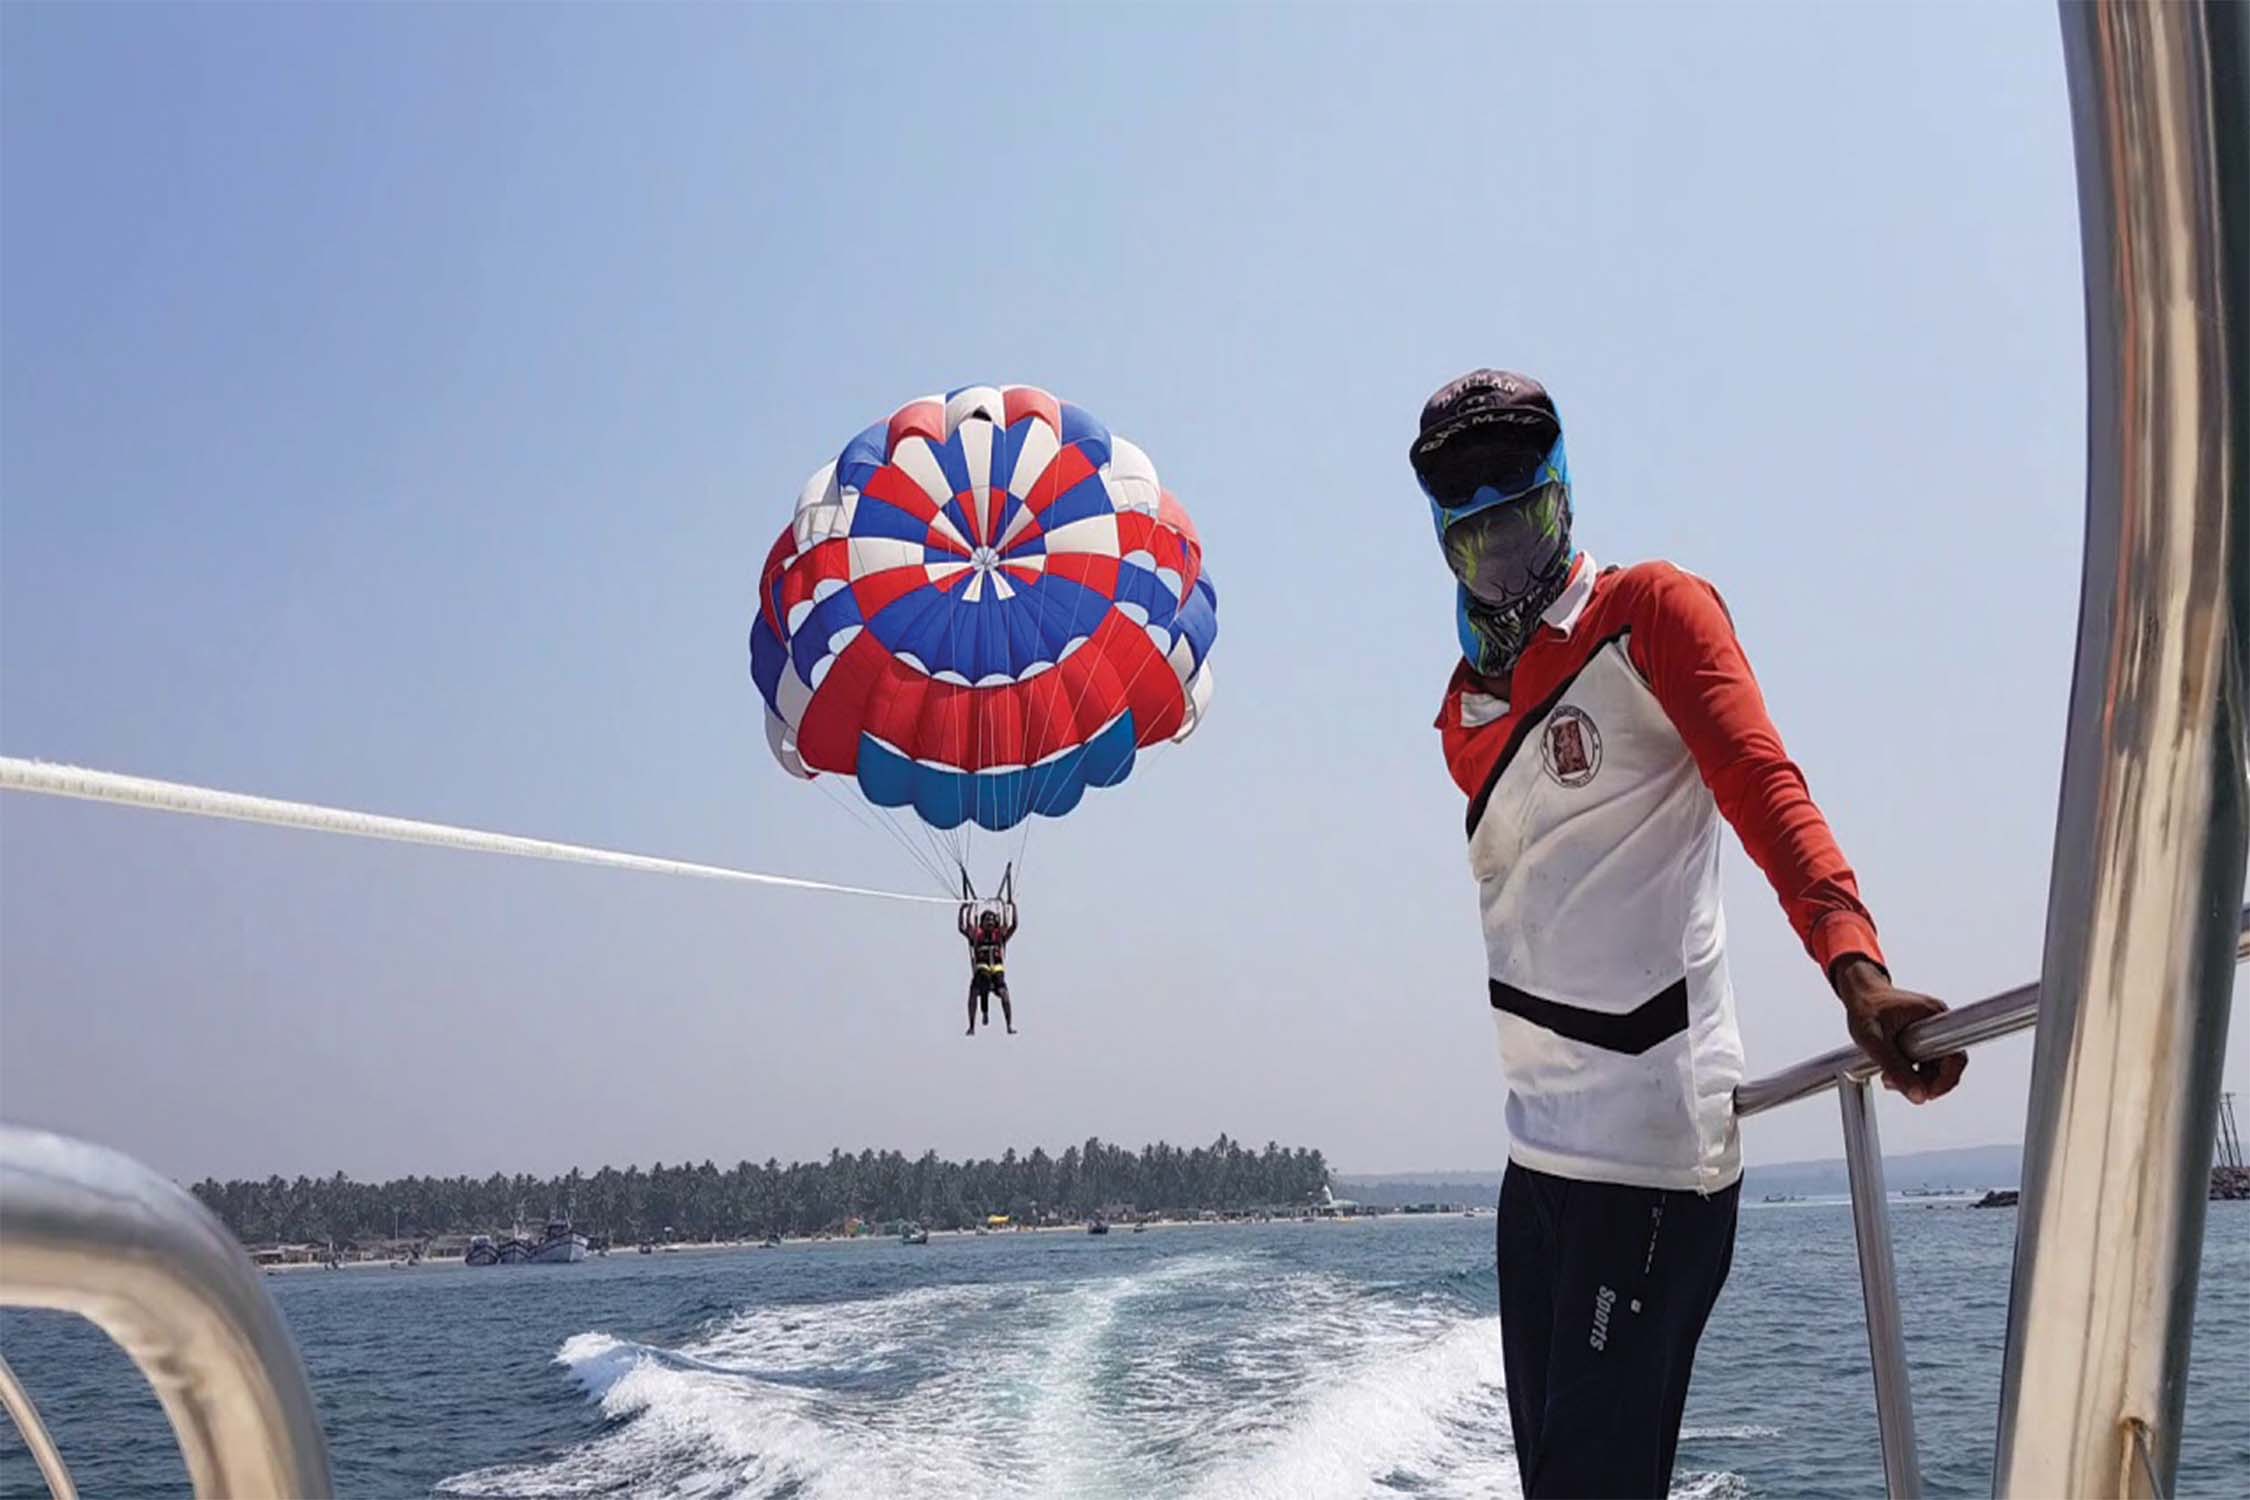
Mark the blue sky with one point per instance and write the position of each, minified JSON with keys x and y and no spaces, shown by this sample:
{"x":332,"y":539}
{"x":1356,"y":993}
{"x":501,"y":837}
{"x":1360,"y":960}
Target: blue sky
{"x":396,"y":404}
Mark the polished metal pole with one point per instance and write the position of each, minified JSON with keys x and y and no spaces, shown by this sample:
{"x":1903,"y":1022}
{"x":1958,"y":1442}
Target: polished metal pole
{"x":2149,"y":842}
{"x":1878,"y":1286}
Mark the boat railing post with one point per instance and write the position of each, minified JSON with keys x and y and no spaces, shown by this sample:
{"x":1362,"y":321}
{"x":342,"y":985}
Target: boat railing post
{"x":1878,"y":1282}
{"x":2151,"y":831}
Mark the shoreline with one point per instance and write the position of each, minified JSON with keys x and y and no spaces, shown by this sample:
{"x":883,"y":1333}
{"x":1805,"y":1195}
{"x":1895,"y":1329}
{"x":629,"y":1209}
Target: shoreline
{"x":715,"y":1247}
{"x":1935,"y":1202}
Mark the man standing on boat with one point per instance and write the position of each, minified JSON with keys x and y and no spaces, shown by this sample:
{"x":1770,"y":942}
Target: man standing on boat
{"x":1601,"y":722}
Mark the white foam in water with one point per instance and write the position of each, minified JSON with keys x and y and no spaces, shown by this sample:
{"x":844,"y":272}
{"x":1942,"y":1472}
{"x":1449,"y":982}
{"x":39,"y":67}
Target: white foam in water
{"x":1066,"y":1426}
{"x":1433,"y":1417}
{"x":1221,"y":1377}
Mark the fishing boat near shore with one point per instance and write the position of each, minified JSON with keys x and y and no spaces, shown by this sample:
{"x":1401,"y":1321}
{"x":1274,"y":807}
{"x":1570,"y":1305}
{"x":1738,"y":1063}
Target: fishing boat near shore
{"x":558,"y":1245}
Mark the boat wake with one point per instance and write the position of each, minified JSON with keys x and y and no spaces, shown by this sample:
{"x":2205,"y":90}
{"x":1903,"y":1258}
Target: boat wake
{"x":1217,"y":1377}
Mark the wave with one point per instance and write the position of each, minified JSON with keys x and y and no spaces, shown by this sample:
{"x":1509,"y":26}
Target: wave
{"x":978,"y":1388}
{"x":1431,"y":1419}
{"x":1219,"y":1377}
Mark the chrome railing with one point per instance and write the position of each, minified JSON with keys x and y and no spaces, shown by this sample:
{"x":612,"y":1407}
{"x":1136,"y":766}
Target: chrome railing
{"x":2149,"y":839}
{"x":2150,"y":836}
{"x":87,"y":1230}
{"x":1851,"y":1074}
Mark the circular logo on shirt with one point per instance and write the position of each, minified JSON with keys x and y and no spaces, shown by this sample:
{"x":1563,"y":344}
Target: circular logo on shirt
{"x":1571,"y":747}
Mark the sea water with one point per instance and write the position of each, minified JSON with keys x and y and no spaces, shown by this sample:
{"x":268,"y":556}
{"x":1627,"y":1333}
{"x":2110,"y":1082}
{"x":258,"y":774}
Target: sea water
{"x":1284,"y":1360}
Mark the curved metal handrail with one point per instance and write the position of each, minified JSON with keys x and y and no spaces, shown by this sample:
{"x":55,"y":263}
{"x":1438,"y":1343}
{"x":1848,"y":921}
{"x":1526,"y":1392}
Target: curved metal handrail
{"x":88,"y":1230}
{"x":1965,"y":1026}
{"x":1848,"y":1071}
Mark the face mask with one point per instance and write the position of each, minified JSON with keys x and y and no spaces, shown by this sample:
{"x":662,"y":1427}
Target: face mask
{"x":1513,"y":561}
{"x":1507,"y":541}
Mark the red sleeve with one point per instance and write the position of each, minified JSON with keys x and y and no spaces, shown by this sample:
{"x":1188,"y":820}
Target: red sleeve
{"x":1470,"y":752}
{"x":1684,"y":645}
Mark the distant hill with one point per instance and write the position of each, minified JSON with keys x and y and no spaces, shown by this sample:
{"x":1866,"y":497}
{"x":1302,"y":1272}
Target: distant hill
{"x":1396,"y":1191}
{"x":1961,"y":1167}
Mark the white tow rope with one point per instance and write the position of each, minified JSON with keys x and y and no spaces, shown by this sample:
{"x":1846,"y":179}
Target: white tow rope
{"x":203,"y":802}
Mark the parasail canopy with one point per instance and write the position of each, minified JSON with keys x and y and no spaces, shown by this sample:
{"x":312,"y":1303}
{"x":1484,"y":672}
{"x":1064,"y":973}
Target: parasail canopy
{"x":984,"y":606}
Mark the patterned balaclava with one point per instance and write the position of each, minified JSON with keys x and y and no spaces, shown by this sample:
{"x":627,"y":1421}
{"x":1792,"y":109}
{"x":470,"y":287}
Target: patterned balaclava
{"x":1490,"y":458}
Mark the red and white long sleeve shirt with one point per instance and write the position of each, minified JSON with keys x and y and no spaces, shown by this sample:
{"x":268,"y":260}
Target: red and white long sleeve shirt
{"x":1632,"y":724}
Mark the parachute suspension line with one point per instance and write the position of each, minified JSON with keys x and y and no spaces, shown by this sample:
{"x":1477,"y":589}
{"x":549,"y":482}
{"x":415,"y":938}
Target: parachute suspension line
{"x":1041,"y":780}
{"x":1075,"y":704}
{"x":847,"y":802}
{"x":1023,"y":830}
{"x":941,"y":854}
{"x":944,"y":848}
{"x":1045,"y":609}
{"x":45,"y":779}
{"x":988,"y":731}
{"x":922,"y":853}
{"x":920,"y":846}
{"x":844,"y":801}
{"x":1142,"y":759}
{"x":985,"y":736}
{"x":972,"y":747}
{"x":936,"y":857}
{"x":964,"y":833}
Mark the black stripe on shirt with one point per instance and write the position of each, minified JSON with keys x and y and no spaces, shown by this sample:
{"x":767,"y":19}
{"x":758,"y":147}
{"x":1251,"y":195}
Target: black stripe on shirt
{"x":1524,"y":726}
{"x":1658,"y":1019}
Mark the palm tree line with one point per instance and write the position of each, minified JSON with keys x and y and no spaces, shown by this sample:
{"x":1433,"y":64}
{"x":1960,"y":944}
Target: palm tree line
{"x":750,"y":1200}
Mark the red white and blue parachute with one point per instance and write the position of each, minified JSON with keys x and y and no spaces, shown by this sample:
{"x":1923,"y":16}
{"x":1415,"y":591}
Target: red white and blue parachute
{"x":984,"y":606}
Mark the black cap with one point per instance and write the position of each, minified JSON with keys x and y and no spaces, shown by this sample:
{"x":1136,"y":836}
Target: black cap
{"x":1483,"y":411}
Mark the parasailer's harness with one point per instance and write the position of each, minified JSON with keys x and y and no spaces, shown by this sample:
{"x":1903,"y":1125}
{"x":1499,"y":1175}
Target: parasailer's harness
{"x":988,"y":955}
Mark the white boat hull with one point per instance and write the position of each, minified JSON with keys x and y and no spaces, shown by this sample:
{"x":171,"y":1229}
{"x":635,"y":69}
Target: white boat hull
{"x":561,"y":1252}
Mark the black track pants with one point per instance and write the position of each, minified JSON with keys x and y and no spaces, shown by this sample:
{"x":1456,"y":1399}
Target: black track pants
{"x":1603,"y":1293}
